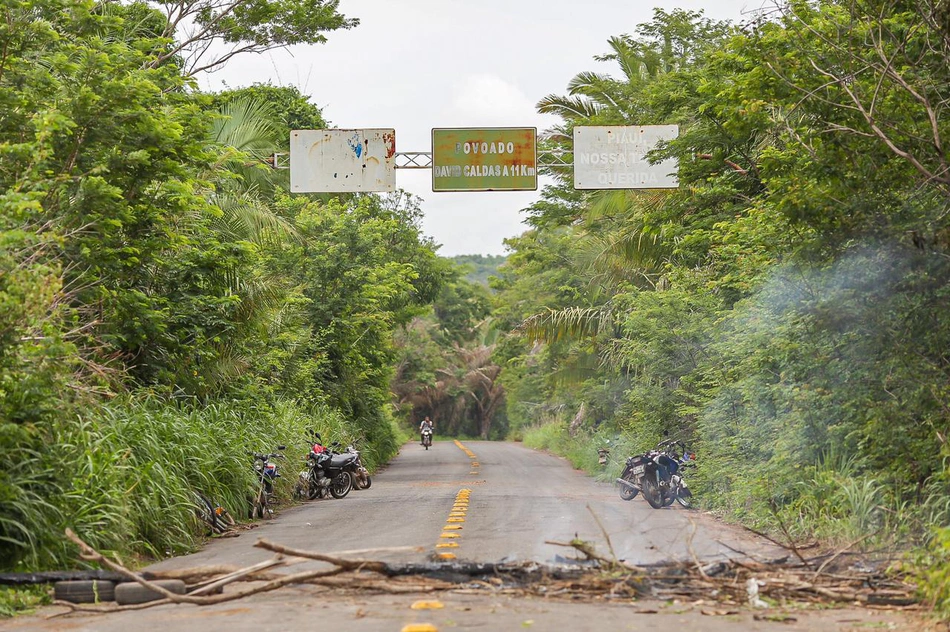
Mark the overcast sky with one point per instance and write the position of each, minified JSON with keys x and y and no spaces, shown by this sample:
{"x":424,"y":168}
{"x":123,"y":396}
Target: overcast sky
{"x":413,"y":65}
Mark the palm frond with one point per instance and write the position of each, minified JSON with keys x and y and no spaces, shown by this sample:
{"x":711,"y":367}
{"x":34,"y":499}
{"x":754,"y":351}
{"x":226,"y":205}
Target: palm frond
{"x":571,"y":108}
{"x":246,"y":125}
{"x":584,"y":81}
{"x":569,"y":323}
{"x":245,"y":217}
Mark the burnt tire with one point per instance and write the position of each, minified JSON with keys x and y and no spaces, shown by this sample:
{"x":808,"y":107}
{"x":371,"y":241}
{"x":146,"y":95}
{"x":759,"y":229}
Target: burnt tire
{"x":84,"y":591}
{"x":129,"y":593}
{"x":341,"y":485}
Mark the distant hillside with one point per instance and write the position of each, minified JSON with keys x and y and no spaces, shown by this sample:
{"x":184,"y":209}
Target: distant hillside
{"x":480,"y":266}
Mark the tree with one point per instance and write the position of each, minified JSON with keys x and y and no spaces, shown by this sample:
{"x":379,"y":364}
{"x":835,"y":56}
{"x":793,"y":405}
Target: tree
{"x":198,"y":27}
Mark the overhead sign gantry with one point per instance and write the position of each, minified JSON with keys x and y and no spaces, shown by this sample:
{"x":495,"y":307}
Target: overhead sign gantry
{"x":478,"y":159}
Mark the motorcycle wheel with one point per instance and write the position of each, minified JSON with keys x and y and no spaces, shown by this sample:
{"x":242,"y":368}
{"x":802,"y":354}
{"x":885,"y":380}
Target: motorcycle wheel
{"x":313,"y":491}
{"x":341,"y":485}
{"x":684,"y":497}
{"x":628,"y":493}
{"x":652,"y":494}
{"x":260,"y":505}
{"x":361,"y":480}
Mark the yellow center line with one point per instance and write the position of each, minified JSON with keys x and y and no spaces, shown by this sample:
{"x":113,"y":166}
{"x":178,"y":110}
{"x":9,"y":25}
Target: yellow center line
{"x":456,"y":515}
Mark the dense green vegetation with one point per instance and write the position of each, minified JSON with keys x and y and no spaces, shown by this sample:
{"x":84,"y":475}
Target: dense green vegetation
{"x":165,"y":305}
{"x":786,"y":309}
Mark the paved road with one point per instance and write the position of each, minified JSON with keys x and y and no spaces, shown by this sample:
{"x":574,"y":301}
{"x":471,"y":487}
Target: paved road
{"x":518,"y":498}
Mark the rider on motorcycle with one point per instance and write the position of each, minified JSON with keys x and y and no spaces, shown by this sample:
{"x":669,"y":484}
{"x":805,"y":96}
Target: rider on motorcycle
{"x":426,"y":425}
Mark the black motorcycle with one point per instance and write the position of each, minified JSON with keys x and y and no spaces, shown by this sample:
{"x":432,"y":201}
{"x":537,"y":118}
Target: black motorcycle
{"x":327,"y":473}
{"x":427,"y":437}
{"x":658,"y":475}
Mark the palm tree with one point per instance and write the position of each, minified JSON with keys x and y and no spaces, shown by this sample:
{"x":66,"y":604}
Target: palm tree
{"x":622,"y":246}
{"x":243,"y":190}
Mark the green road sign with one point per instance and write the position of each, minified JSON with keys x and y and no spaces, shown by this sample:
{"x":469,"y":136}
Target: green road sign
{"x":492,"y":159}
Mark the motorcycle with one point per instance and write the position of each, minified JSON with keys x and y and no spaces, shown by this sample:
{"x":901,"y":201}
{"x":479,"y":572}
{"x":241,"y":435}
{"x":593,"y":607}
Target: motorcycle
{"x":359,"y":473}
{"x":266,"y":473}
{"x":327,"y":473}
{"x":427,"y":438}
{"x":658,"y":475}
{"x":678,"y":487}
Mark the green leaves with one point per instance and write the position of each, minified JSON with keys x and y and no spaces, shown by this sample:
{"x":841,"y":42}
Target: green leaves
{"x":247,"y":26}
{"x":784,"y":301}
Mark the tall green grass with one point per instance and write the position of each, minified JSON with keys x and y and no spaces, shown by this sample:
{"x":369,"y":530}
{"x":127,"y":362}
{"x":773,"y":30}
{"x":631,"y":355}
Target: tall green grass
{"x":581,"y":449}
{"x":122,"y":476}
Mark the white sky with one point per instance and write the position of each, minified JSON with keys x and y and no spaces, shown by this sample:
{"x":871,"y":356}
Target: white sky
{"x":413,"y":65}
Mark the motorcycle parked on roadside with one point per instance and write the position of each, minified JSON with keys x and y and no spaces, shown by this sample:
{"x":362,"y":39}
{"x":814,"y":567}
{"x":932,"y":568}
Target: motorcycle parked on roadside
{"x":658,"y":475}
{"x":267,"y":474}
{"x":326,"y":474}
{"x":358,"y":472}
{"x":683,"y":459}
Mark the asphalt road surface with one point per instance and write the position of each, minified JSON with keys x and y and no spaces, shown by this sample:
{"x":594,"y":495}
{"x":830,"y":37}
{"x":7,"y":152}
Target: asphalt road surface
{"x":476,"y":501}
{"x":518,"y":499}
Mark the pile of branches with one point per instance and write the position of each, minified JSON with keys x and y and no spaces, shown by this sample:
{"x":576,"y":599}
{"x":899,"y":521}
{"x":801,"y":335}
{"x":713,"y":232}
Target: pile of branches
{"x":740,"y":582}
{"x":730,"y":582}
{"x":835,"y":578}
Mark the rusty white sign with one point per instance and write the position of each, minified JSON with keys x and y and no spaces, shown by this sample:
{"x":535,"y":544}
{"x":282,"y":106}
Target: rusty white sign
{"x":616,"y":157}
{"x":342,"y":160}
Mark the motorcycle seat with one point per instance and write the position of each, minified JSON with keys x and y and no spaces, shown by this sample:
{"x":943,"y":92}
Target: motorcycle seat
{"x":339,"y":460}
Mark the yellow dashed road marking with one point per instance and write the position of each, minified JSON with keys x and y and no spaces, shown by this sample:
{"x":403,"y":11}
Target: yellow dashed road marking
{"x":458,"y":511}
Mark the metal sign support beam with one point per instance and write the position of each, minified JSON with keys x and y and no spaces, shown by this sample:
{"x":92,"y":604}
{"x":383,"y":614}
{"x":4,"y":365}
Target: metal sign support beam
{"x":423,"y":159}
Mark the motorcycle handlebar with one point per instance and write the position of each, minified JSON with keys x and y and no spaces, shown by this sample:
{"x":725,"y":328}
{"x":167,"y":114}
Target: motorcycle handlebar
{"x":264,"y":457}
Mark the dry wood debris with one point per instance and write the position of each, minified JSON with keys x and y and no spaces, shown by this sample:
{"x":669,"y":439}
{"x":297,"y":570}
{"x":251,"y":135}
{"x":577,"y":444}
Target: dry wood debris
{"x":728,"y":583}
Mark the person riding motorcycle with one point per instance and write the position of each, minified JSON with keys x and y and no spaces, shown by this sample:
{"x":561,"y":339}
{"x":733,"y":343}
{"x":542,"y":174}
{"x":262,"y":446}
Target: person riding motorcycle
{"x":426,"y":425}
